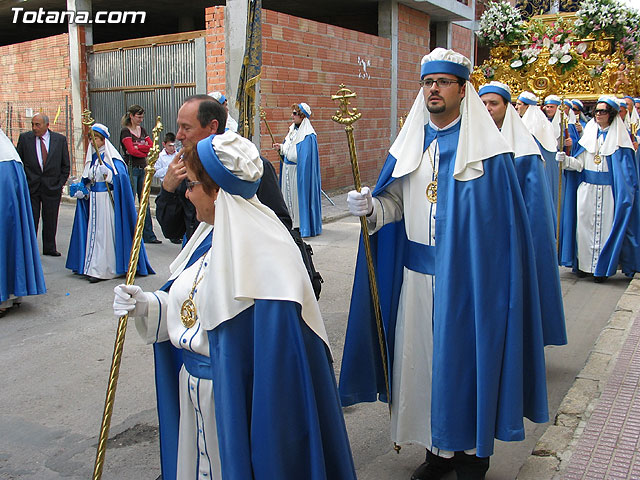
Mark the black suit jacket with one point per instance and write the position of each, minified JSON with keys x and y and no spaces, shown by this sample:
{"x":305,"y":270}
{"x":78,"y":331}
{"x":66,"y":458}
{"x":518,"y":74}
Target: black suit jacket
{"x":56,"y":169}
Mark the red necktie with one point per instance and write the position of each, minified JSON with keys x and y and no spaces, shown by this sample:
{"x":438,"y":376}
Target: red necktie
{"x":43,"y":151}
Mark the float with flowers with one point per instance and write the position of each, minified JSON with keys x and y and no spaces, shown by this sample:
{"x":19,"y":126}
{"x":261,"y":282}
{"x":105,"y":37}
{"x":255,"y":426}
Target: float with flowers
{"x":584,"y":54}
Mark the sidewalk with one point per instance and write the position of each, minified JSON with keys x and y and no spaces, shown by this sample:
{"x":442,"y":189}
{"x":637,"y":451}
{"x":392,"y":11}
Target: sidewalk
{"x":596,"y":432}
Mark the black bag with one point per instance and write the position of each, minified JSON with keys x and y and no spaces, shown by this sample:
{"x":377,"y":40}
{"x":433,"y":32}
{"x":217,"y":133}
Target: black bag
{"x":306,"y":251}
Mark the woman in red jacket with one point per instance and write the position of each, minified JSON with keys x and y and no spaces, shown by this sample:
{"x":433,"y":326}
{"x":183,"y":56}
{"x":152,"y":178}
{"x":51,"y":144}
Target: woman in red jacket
{"x":135,"y":147}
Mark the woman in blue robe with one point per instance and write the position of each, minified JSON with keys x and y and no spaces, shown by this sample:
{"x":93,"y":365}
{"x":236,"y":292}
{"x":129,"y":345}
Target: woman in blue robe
{"x":245,"y":382}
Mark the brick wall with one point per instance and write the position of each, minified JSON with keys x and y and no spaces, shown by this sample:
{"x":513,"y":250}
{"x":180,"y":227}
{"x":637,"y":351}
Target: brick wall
{"x":413,"y":44}
{"x":462,"y":40}
{"x":35,"y":75}
{"x":215,"y":49}
{"x":306,"y":61}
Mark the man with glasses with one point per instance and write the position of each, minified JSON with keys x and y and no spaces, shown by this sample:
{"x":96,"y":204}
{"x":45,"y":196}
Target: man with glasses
{"x":457,"y":284}
{"x":600,"y":210}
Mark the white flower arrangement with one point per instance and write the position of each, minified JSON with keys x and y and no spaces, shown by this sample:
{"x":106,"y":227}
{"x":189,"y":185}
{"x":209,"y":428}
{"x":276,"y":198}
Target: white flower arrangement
{"x":501,"y":23}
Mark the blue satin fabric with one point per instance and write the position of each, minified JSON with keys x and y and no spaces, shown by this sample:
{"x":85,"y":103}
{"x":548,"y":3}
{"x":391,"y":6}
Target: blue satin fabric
{"x":488,"y":358}
{"x":125,"y":224}
{"x":20,"y":267}
{"x":622,"y":247}
{"x":277,"y":409}
{"x":551,"y":174}
{"x":537,"y":201}
{"x":309,"y":184}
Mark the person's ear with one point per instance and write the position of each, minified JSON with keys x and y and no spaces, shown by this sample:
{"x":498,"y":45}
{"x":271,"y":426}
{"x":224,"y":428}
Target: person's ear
{"x":213,"y":126}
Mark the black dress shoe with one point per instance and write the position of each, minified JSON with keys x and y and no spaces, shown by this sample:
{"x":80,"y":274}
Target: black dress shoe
{"x":176,"y":240}
{"x":600,"y":279}
{"x":154,"y":241}
{"x":434,"y":468}
{"x":470,"y":467}
{"x":53,"y":253}
{"x":96,"y":279}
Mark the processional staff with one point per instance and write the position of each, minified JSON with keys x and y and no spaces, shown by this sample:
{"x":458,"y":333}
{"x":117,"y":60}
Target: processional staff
{"x":563,"y":135}
{"x":149,"y":170}
{"x":346,"y":117}
{"x":89,"y":121}
{"x":263,"y":116}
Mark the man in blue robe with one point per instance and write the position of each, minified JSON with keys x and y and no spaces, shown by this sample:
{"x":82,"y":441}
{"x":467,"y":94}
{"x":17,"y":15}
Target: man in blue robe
{"x":535,"y":192}
{"x":456,"y":272}
{"x":19,"y":257}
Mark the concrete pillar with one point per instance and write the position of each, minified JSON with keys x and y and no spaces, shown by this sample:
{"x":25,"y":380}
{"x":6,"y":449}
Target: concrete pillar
{"x":388,"y":28}
{"x":80,"y":36}
{"x":235,"y":27}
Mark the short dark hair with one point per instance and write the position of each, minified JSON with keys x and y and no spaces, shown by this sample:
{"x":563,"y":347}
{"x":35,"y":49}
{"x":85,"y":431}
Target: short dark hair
{"x":191,"y":159}
{"x":209,"y":109}
{"x":169,"y":137}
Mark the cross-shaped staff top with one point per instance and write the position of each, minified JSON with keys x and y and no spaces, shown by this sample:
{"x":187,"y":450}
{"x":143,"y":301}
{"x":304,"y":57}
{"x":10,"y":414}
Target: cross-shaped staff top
{"x":343,"y":115}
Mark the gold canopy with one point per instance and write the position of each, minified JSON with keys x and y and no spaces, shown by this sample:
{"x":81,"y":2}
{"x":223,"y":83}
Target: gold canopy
{"x":598,"y":69}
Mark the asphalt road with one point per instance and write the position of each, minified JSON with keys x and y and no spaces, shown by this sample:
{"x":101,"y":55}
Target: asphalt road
{"x":56,"y":351}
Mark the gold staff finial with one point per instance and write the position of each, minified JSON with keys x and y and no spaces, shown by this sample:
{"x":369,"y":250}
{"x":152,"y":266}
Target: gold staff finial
{"x":343,"y":116}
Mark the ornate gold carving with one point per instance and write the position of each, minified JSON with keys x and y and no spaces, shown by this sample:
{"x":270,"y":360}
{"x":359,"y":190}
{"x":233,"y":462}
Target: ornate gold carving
{"x":596,"y":71}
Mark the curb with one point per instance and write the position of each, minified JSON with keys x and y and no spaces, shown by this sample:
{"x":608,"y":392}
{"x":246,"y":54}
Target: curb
{"x":550,"y":457}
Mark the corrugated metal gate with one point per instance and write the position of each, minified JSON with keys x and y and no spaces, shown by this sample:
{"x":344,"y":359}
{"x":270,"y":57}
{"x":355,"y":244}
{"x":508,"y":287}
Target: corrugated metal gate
{"x":156,"y":73}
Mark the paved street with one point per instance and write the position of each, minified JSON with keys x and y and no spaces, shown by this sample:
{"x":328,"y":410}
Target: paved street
{"x":56,"y":352}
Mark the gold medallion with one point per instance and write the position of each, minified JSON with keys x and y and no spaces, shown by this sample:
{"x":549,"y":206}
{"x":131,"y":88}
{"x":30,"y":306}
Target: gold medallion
{"x":597,"y":159}
{"x":432,"y":191}
{"x":188,"y":313}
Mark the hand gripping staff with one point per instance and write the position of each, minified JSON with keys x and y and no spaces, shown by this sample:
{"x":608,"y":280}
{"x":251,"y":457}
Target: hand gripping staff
{"x":122,"y":322}
{"x":87,"y":120}
{"x":346,"y":117}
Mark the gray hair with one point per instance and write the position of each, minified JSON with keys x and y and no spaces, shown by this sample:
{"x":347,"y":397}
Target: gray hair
{"x":45,"y":118}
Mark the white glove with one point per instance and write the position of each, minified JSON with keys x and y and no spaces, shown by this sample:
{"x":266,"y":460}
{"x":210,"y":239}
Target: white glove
{"x":360,"y":203}
{"x":79,"y":194}
{"x":561,"y":157}
{"x":103,"y":174}
{"x":130,"y":299}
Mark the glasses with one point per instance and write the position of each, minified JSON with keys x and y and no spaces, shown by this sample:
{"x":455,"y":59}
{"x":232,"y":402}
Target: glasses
{"x":190,"y":185}
{"x":295,"y":114}
{"x":601,"y":112}
{"x":440,"y":82}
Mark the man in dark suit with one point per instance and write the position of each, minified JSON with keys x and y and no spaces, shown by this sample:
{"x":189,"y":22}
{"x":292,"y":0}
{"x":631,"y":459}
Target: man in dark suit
{"x":45,"y":156}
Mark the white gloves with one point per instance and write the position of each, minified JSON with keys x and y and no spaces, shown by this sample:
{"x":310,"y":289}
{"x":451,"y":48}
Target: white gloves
{"x":360,"y":203}
{"x":130,"y":299}
{"x":103,"y":174}
{"x":561,"y":157}
{"x":79,"y":194}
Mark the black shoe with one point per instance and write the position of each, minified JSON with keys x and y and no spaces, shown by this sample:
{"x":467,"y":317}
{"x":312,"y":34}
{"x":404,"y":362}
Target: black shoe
{"x":96,"y":279}
{"x":154,"y":241}
{"x":470,"y":467}
{"x":581,"y":274}
{"x":52,"y":253}
{"x":434,"y":468}
{"x":600,"y":279}
{"x":177,"y":241}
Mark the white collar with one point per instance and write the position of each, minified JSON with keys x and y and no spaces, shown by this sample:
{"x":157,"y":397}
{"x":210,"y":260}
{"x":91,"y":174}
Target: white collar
{"x":438,"y":129}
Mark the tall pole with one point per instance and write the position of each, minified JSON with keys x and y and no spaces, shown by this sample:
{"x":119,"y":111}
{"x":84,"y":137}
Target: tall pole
{"x":559,"y":213}
{"x":122,"y":322}
{"x":346,"y":117}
